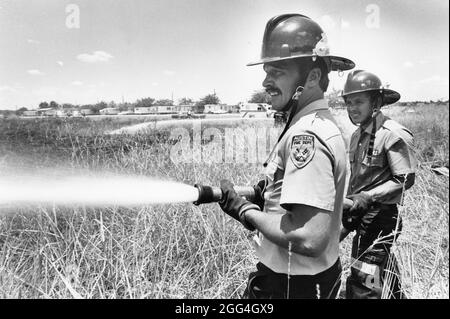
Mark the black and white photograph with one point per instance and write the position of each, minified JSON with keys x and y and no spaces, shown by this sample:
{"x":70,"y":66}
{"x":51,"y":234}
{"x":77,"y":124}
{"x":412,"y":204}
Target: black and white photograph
{"x":221,"y":154}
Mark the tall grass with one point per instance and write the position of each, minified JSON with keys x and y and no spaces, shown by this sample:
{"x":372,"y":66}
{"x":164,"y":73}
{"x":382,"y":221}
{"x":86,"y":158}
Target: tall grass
{"x":179,"y":250}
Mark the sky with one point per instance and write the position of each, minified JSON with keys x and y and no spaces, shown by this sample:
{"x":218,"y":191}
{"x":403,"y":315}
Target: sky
{"x":86,"y":51}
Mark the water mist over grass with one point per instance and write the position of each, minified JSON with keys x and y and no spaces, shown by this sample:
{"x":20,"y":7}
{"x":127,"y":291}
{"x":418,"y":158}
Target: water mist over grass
{"x":93,"y":190}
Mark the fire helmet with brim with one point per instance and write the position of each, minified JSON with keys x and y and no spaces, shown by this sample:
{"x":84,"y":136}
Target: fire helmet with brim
{"x":292,"y":36}
{"x":362,"y":81}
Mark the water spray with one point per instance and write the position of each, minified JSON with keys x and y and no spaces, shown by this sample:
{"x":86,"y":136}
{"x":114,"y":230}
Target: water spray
{"x":106,"y":191}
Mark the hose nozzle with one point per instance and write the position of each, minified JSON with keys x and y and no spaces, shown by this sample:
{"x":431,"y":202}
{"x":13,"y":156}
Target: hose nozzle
{"x":210,"y":194}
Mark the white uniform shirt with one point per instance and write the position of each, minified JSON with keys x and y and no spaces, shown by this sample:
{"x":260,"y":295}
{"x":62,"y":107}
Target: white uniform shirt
{"x":308,"y":166}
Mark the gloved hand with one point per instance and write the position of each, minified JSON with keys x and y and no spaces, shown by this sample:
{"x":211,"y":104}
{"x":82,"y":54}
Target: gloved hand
{"x":361,"y":202}
{"x":352,"y":214}
{"x":235,"y":205}
{"x":350,"y":220}
{"x":259,"y":188}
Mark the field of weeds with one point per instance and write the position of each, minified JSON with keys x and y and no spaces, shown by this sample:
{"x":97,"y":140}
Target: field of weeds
{"x":181,"y":250}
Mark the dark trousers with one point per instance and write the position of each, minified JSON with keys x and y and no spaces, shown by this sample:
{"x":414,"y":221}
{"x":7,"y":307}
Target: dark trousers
{"x":374,"y":270}
{"x":267,"y":284}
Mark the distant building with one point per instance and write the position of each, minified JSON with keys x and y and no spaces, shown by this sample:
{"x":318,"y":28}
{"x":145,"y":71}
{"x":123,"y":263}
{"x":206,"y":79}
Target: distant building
{"x":165,"y":109}
{"x":143,"y":110}
{"x":109,"y":111}
{"x":50,"y":112}
{"x":128,"y":112}
{"x":156,"y":109}
{"x":228,"y":108}
{"x":183,"y":108}
{"x":31,"y":113}
{"x":211,"y":108}
{"x":60,"y":113}
{"x":217,"y":108}
{"x":254,"y":107}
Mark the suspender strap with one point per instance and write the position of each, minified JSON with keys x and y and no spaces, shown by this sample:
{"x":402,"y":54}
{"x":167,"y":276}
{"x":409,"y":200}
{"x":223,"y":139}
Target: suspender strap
{"x":372,"y":140}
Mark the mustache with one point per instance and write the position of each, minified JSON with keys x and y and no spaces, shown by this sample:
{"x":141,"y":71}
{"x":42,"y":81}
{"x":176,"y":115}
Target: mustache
{"x":272,"y":89}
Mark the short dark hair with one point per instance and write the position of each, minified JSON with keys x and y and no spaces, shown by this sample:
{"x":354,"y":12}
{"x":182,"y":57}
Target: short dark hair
{"x":307,"y":64}
{"x":374,"y":96}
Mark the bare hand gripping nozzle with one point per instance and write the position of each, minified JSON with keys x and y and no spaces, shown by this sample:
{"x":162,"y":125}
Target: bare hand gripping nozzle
{"x":210,"y":194}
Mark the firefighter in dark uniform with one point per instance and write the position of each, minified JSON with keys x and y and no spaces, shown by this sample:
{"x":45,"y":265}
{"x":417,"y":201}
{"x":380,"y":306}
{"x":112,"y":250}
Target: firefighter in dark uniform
{"x":382,"y":167}
{"x":298,"y":208}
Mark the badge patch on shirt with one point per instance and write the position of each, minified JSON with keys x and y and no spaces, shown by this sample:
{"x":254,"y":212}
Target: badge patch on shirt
{"x":302,"y":150}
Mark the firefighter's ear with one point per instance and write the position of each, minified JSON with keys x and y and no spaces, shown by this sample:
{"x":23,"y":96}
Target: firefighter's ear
{"x":314,"y":77}
{"x":376,"y":103}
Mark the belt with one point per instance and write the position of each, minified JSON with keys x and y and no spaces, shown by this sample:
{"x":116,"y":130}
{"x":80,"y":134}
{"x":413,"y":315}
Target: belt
{"x":328,"y":274}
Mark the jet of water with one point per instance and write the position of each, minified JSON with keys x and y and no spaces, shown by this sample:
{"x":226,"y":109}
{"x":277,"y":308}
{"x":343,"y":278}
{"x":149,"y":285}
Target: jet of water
{"x":93,"y":190}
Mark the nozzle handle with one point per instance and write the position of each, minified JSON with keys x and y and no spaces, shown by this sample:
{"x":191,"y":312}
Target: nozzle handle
{"x":245,"y":191}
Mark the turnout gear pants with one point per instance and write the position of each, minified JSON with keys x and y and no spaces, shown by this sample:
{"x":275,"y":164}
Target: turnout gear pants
{"x":267,"y":284}
{"x":374,"y":271}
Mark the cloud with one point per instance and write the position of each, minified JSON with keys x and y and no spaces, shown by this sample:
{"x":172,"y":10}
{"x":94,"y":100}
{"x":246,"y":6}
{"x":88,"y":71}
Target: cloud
{"x":155,"y":83}
{"x":31,"y":41}
{"x":408,"y":64}
{"x":100,"y":84}
{"x":60,"y":63}
{"x":97,"y":56}
{"x":434,"y":79}
{"x":345,"y":24}
{"x":7,"y":88}
{"x":78,"y":83}
{"x":35,"y":72}
{"x":168,"y":72}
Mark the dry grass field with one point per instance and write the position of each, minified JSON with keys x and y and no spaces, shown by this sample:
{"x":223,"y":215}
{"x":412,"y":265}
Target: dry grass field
{"x":179,"y":250}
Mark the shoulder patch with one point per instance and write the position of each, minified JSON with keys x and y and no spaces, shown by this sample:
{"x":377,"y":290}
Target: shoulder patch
{"x":394,"y":126}
{"x":397,"y":132}
{"x":302,"y":150}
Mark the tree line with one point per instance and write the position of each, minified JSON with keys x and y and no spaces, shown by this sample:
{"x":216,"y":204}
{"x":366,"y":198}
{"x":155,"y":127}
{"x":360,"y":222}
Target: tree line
{"x":258,"y":96}
{"x":197,"y":106}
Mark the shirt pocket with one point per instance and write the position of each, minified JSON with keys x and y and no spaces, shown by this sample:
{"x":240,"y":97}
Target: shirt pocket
{"x":378,"y":160}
